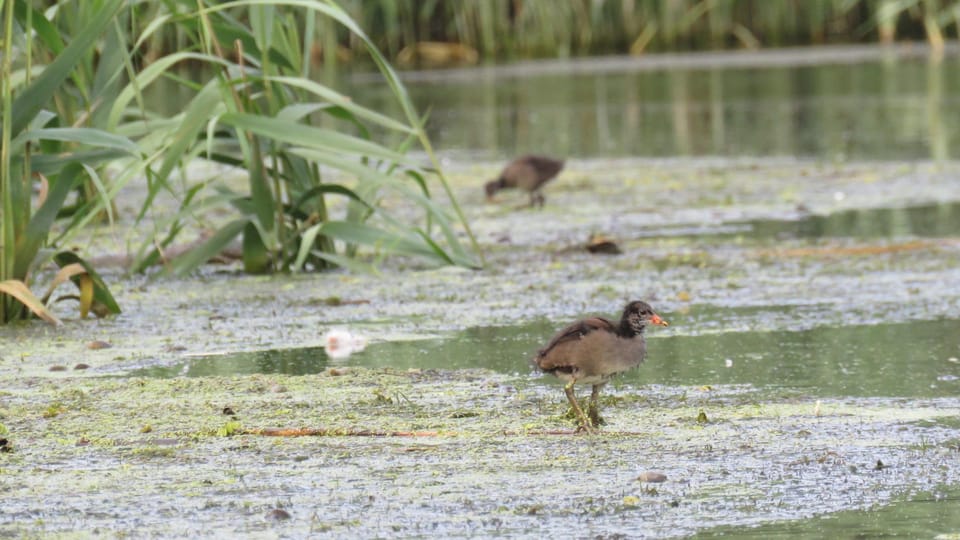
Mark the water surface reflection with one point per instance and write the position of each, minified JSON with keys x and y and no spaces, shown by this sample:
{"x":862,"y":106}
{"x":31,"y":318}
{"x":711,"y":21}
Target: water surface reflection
{"x":879,"y":108}
{"x":911,"y":359}
{"x":939,"y":220}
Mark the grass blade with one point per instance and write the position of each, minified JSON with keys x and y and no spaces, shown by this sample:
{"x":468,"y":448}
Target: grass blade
{"x":38,"y":229}
{"x":17,"y":289}
{"x":314,"y":137}
{"x":207,"y":250}
{"x":42,"y":89}
{"x":103,"y":300}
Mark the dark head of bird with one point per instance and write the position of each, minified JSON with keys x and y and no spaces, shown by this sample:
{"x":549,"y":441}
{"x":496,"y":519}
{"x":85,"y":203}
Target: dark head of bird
{"x":493,"y":186}
{"x":636,"y":316}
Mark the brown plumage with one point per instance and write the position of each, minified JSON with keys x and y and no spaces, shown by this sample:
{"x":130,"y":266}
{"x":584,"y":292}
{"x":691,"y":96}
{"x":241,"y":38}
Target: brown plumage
{"x":528,"y":173}
{"x":593,"y":350}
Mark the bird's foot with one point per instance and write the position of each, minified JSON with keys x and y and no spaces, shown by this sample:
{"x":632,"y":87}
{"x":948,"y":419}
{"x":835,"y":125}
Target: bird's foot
{"x":586,"y":424}
{"x":595,"y":418}
{"x":587,"y":429}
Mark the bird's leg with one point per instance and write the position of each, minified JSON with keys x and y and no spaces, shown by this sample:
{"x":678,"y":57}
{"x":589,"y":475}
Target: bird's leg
{"x":593,"y":410}
{"x":537,"y":199}
{"x":584,"y":421}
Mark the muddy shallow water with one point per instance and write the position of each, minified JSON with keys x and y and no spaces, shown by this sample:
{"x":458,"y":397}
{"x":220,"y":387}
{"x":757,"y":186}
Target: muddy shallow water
{"x":823,"y":358}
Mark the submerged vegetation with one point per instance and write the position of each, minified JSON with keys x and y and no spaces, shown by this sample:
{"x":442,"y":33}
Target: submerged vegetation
{"x":77,"y":130}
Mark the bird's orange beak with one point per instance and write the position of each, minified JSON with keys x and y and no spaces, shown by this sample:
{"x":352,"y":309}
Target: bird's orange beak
{"x":655,"y":319}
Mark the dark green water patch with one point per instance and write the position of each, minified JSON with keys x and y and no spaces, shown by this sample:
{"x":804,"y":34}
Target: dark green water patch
{"x":930,"y":515}
{"x":925,"y":221}
{"x":912,"y":359}
{"x":932,"y":220}
{"x":300,"y":361}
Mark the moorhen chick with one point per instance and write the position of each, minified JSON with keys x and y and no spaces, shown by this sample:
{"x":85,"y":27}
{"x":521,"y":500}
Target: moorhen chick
{"x":593,"y":350}
{"x":528,"y":173}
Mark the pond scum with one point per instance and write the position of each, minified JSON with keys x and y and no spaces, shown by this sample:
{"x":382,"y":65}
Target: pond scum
{"x":375,"y":452}
{"x":380,"y":452}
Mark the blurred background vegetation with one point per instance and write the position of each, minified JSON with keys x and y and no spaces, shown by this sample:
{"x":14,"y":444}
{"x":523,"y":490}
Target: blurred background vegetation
{"x":439,"y":32}
{"x":510,"y":29}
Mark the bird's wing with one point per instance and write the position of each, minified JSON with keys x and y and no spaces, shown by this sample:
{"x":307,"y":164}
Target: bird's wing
{"x":514,"y":173}
{"x":548,"y":167}
{"x":575,"y":332}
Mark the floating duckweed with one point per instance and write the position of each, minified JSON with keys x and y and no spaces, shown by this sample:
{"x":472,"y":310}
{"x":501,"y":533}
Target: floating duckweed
{"x":230,"y":429}
{"x":53,"y":410}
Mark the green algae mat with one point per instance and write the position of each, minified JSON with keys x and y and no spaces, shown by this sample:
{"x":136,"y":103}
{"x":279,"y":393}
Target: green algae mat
{"x":372,"y":453}
{"x":809,"y":375}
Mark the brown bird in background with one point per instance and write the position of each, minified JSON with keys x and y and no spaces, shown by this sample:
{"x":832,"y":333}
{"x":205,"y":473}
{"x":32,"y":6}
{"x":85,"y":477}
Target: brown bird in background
{"x":528,"y":173}
{"x":594,"y":350}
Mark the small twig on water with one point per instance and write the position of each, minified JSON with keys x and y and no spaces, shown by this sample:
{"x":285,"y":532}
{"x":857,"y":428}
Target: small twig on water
{"x":341,"y":432}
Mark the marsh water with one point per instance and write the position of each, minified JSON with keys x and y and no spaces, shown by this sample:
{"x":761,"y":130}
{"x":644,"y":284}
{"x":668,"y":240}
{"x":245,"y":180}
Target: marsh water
{"x":827,"y":104}
{"x":907,"y":358}
{"x":781,"y":333}
{"x":881,"y":109}
{"x":843,"y":103}
{"x":911,"y":359}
